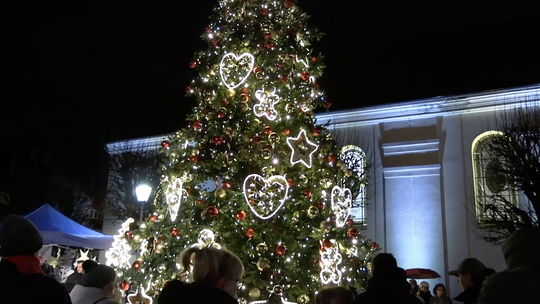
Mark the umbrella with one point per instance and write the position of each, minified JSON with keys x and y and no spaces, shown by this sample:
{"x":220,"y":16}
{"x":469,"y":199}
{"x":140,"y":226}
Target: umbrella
{"x":421,"y":273}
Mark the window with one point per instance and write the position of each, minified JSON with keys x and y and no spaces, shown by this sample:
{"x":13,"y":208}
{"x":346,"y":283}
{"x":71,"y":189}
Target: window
{"x":491,"y":190}
{"x":355,"y":160}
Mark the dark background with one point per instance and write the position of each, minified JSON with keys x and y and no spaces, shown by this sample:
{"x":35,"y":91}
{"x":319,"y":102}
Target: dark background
{"x":77,"y":74}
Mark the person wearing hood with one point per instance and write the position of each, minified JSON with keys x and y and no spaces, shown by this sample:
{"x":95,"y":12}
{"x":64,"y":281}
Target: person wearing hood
{"x":520,"y":282}
{"x":96,"y":287}
{"x":76,"y":277}
{"x":22,"y":279}
{"x":388,"y":285}
{"x":216,"y":278}
{"x":471,"y":274}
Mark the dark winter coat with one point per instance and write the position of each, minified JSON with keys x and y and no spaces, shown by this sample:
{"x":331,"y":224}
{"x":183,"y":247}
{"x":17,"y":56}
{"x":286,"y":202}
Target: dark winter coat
{"x":177,"y":292}
{"x":388,"y":289}
{"x":441,"y":300}
{"x":470,"y":295}
{"x":73,"y":279}
{"x":29,"y":289}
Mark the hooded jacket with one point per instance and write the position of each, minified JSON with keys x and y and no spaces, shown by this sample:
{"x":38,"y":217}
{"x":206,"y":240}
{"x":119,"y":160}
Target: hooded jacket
{"x":90,"y":295}
{"x":177,"y":292}
{"x":521,"y":281}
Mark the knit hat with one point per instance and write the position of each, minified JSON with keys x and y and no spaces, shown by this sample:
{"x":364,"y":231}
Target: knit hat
{"x":98,"y":277}
{"x":19,"y":236}
{"x":470,"y":266}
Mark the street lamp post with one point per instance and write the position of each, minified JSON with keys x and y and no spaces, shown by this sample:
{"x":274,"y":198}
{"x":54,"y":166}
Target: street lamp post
{"x":143,"y":193}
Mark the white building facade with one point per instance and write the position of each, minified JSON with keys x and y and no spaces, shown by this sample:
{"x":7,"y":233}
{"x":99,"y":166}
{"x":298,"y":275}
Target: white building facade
{"x":420,"y":200}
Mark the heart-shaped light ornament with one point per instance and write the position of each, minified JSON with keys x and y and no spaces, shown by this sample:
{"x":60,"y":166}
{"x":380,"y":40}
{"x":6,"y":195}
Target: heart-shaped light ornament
{"x":265,"y":196}
{"x":341,"y":204}
{"x":174,"y":195}
{"x":235,"y":69}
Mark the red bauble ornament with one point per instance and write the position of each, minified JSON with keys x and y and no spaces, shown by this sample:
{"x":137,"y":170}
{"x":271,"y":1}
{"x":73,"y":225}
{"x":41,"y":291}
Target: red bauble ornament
{"x":189,"y":88}
{"x":256,"y":139}
{"x":373,"y":245}
{"x":321,"y":205}
{"x":224,"y":102}
{"x":352,"y":233}
{"x":280,"y":64}
{"x":124,"y":286}
{"x":256,"y":70}
{"x":128,"y":234}
{"x":207,"y":29}
{"x":280,"y":250}
{"x":197,"y":124}
{"x":314,"y":59}
{"x":353,"y":261}
{"x":201,"y":202}
{"x":267,"y":130}
{"x":326,"y":244}
{"x":213,"y":42}
{"x":212,"y":211}
{"x":287,"y":132}
{"x":136,"y":265}
{"x":288,"y":3}
{"x":317,"y":131}
{"x":226,"y":185}
{"x":221,"y":114}
{"x":193,"y":64}
{"x":206,"y":111}
{"x":245,"y":91}
{"x":304,"y":75}
{"x":269,"y":45}
{"x":307,"y":193}
{"x":218,"y":140}
{"x":241,"y":215}
{"x":331,"y":158}
{"x":264,"y":11}
{"x":250,"y":232}
{"x":153,"y":218}
{"x":327,"y":104}
{"x":290,"y":181}
{"x":267,"y":36}
{"x":282,"y":78}
{"x":193,"y":159}
{"x":350,"y":222}
{"x":174,"y":231}
{"x":165,"y":144}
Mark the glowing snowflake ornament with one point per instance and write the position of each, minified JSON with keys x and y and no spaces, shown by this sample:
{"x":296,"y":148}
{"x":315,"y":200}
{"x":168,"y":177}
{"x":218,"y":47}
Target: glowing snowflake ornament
{"x":341,"y":204}
{"x":302,"y":149}
{"x":268,"y":99}
{"x":265,"y":196}
{"x":234,"y":69}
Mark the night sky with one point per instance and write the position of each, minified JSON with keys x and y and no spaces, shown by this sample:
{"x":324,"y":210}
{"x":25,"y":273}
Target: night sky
{"x":78,"y":74}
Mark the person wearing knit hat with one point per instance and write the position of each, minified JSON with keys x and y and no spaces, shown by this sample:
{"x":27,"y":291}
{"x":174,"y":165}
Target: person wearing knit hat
{"x":96,"y":287}
{"x":20,"y":269}
{"x":520,"y":281}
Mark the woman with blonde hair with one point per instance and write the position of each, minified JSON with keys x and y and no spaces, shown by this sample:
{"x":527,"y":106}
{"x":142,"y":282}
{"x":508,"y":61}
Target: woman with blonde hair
{"x":215,"y":275}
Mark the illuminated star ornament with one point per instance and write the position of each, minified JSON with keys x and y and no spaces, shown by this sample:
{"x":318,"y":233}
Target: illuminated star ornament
{"x":235,"y":69}
{"x":302,"y":149}
{"x":268,"y":99}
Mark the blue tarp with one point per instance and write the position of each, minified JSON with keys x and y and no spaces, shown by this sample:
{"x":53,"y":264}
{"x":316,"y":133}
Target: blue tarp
{"x":58,"y":229}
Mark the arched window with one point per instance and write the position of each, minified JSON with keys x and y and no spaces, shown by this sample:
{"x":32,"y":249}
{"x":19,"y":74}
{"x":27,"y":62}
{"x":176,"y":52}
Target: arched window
{"x":355,"y":160}
{"x":491,"y":190}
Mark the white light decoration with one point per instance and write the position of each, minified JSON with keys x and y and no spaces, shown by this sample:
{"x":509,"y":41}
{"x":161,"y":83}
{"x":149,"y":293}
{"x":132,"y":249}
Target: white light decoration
{"x":341,"y":204}
{"x":330,"y":260}
{"x":265,"y":196}
{"x":302,"y":149}
{"x":174,"y":195}
{"x":206,"y":238}
{"x":354,"y":159}
{"x":234,"y":69}
{"x":266,"y":105}
{"x":119,"y":254}
{"x":83,"y":257}
{"x":139,"y":297}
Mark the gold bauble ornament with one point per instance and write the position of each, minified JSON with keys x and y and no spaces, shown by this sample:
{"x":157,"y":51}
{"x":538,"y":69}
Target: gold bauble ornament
{"x":246,"y":138}
{"x":369,"y":266}
{"x":326,"y":226}
{"x":312,"y":211}
{"x":137,"y":237}
{"x":158,"y":251}
{"x":195,"y":152}
{"x":277,"y":289}
{"x":242,"y":301}
{"x":244,"y":107}
{"x":161,"y":268}
{"x":266,"y":153}
{"x":221,"y":193}
{"x":348,"y":173}
{"x":263,"y":263}
{"x":274,"y":34}
{"x":304,"y":179}
{"x":254,"y":293}
{"x":273,"y":137}
{"x":230,"y":93}
{"x":296,"y":215}
{"x":290,"y":107}
{"x":303,"y":299}
{"x":262,"y":247}
{"x":340,"y":164}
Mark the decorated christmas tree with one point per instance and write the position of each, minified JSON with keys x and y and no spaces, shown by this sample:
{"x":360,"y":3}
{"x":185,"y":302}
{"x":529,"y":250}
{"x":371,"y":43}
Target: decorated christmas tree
{"x":253,"y":172}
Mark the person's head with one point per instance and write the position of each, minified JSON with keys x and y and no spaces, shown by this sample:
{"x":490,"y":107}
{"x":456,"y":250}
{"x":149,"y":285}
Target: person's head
{"x":87,"y":266}
{"x":215,"y":267}
{"x":334,"y":295}
{"x":424,"y":286}
{"x":413,"y":283}
{"x":514,"y":254}
{"x":439,"y":290}
{"x":100,"y":277}
{"x":79,"y":268}
{"x":384,"y":264}
{"x":47,"y":269}
{"x":471,"y":272}
{"x":19,"y":236}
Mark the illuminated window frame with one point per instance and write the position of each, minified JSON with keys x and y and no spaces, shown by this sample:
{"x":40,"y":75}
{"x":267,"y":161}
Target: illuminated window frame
{"x":359,"y":206}
{"x":482,"y":192}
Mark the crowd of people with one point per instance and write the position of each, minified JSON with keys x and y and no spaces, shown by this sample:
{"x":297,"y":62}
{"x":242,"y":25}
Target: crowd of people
{"x":217,"y":275}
